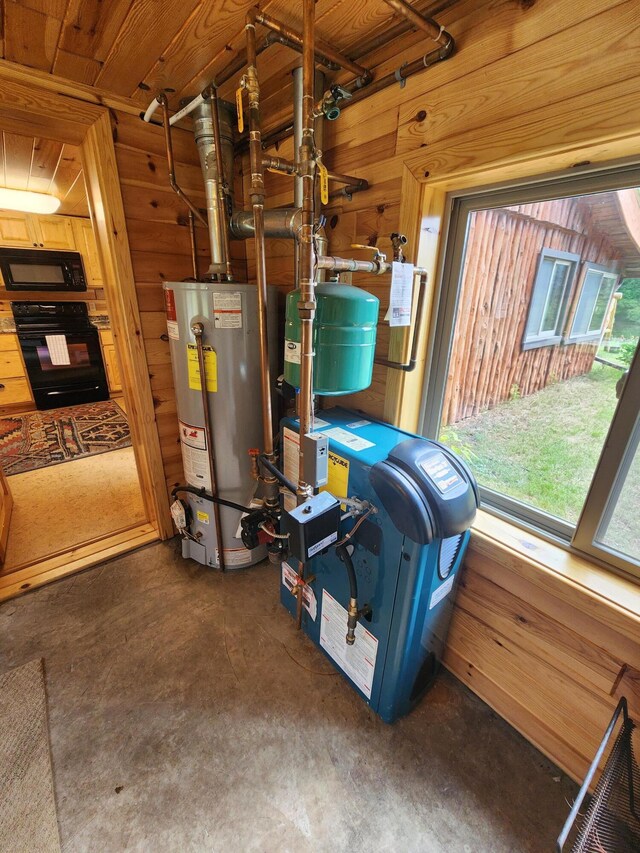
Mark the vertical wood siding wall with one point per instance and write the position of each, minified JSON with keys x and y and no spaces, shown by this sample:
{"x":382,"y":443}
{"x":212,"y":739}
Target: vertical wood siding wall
{"x":503,"y":249}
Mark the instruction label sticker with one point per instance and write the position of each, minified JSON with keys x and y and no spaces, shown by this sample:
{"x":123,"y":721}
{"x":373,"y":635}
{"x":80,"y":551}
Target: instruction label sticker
{"x":353,"y":442}
{"x":318,"y":423}
{"x":401,"y":298}
{"x":358,"y":424}
{"x":58,"y":350}
{"x":210,"y":368}
{"x":227,"y":310}
{"x":441,"y":473}
{"x":170,"y":305}
{"x":173,"y":330}
{"x":292,"y":352}
{"x":338,"y":479}
{"x":357,"y":661}
{"x":193,"y":436}
{"x":202,"y":516}
{"x":290,"y":447}
{"x":193,"y":443}
{"x":441,"y":592}
{"x":309,"y":601}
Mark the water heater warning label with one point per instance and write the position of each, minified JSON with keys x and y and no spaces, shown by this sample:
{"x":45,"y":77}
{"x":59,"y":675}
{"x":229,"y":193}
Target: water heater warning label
{"x":359,"y":660}
{"x":227,"y":310}
{"x":193,"y":442}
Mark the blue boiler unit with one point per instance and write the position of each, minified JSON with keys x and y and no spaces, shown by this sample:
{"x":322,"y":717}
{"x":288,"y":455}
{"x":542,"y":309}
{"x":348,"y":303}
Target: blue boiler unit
{"x":406,"y":553}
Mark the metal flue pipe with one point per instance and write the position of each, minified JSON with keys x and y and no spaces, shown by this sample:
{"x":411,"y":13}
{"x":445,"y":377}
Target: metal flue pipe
{"x":223,"y":190}
{"x":257,"y":202}
{"x":306,"y":266}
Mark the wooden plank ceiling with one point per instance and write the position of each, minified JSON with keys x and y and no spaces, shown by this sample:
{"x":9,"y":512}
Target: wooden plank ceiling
{"x":45,"y":166}
{"x":117,"y":45}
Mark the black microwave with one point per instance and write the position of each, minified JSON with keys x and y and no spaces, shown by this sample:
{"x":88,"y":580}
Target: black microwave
{"x":37,"y":269}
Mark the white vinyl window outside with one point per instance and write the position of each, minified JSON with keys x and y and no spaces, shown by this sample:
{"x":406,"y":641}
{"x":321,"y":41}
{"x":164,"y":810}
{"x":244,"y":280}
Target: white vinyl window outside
{"x":549,"y":299}
{"x":593,"y":303}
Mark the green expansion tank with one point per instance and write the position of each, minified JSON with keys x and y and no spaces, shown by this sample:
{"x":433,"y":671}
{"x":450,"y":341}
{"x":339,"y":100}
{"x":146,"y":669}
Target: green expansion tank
{"x":344,"y":339}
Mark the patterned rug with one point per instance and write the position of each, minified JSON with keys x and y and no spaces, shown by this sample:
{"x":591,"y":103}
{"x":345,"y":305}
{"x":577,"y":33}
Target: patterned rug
{"x":40,"y":439}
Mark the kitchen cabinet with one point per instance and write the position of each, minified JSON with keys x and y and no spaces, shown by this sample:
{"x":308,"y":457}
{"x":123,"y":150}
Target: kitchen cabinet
{"x":27,"y":230}
{"x":110,"y":360}
{"x":15,"y":391}
{"x":87,"y":246}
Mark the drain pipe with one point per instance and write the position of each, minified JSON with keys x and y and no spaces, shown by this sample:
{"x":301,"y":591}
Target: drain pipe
{"x":257,"y":200}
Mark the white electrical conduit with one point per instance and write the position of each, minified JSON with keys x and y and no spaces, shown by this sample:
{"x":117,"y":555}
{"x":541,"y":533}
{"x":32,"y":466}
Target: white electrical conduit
{"x":155,"y":103}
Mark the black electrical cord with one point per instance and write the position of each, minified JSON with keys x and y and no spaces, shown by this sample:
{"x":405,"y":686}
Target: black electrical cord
{"x":278,"y":474}
{"x":202,"y":493}
{"x":345,"y":556}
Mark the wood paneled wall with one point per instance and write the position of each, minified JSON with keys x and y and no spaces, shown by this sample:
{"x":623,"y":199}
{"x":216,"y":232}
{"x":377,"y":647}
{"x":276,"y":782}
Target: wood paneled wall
{"x":529,"y":635}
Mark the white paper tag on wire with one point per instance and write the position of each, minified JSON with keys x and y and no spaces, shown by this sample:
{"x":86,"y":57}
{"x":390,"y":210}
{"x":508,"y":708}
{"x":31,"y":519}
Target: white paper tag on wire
{"x":401,"y":298}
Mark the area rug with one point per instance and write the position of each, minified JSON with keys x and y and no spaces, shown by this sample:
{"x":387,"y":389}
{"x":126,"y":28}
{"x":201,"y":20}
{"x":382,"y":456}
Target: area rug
{"x":27,"y":805}
{"x":40,"y":439}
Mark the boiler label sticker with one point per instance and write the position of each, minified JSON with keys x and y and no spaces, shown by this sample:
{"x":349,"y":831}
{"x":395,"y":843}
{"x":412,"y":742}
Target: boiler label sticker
{"x":441,"y":592}
{"x":353,"y":442}
{"x":338,"y":482}
{"x":290,"y":447}
{"x":309,"y":601}
{"x":227,"y":310}
{"x":173,"y":330}
{"x":359,"y":660}
{"x":193,"y":436}
{"x":210,"y":368}
{"x":358,"y":424}
{"x":292,"y":351}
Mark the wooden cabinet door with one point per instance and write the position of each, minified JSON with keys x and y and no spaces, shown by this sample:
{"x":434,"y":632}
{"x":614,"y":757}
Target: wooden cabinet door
{"x":16,"y":229}
{"x":6,"y":506}
{"x":54,"y":232}
{"x":112,"y":367}
{"x":86,"y":245}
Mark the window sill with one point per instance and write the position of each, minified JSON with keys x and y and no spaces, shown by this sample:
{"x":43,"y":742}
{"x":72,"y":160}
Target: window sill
{"x":518,"y":549}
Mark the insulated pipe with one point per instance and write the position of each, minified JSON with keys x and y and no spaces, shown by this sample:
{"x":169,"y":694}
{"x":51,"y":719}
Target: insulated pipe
{"x":198,"y":329}
{"x":257,"y":201}
{"x":306,"y":266}
{"x":203,"y":128}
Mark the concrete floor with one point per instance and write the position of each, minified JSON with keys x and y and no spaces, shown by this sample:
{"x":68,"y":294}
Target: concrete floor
{"x":187,"y":714}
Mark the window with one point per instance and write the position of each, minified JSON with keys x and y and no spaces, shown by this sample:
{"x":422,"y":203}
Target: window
{"x":593,"y":304}
{"x":533,"y":376}
{"x":549,"y":299}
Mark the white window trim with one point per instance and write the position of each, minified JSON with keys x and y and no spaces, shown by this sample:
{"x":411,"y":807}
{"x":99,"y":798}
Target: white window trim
{"x":607,"y":272}
{"x":548,"y":339}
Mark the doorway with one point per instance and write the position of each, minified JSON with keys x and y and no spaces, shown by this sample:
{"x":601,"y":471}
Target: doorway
{"x":96,"y":488}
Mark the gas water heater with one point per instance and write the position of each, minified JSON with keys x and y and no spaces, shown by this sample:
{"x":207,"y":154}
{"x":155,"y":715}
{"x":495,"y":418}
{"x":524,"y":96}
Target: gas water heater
{"x":228,"y":314}
{"x":401,"y":506}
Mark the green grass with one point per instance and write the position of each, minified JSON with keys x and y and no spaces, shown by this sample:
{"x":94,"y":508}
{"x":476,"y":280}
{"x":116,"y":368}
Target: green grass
{"x":542,"y":449}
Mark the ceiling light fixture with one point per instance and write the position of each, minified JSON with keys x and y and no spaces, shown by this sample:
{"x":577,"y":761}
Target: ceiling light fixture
{"x":27,"y":201}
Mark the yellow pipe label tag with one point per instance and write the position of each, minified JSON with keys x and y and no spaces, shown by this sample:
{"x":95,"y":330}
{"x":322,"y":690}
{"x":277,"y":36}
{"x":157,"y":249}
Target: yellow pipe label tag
{"x":324,"y":183}
{"x":210,"y":368}
{"x":239,"y":109}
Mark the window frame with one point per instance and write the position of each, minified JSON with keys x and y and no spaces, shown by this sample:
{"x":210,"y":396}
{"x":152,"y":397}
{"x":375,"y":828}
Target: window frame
{"x":579,"y":538}
{"x":587,"y":337}
{"x":548,"y":339}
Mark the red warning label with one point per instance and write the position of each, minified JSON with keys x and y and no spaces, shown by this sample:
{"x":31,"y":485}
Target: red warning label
{"x":170,"y":304}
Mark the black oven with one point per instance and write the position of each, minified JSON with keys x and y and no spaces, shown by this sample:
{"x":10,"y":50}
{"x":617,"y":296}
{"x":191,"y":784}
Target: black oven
{"x":62,"y":354}
{"x":38,"y":269}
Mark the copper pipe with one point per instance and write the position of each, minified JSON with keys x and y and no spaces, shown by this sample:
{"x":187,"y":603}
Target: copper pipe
{"x":306,"y":267}
{"x":279,"y":164}
{"x":438,"y":34}
{"x":364,"y":48}
{"x":162,"y":98}
{"x":192,"y":240}
{"x":276,"y":38}
{"x":222,"y":182}
{"x":257,"y":201}
{"x":320,"y":48}
{"x":198,"y":329}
